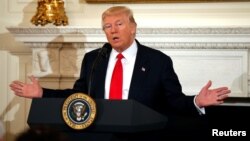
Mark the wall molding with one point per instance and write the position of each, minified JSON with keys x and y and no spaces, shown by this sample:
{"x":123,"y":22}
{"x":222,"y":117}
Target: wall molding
{"x":182,"y":38}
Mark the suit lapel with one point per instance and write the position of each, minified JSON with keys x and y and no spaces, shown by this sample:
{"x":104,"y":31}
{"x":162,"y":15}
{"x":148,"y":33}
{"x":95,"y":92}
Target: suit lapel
{"x":139,"y":73}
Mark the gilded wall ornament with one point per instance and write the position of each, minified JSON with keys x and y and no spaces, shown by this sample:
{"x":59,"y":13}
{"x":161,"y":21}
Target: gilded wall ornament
{"x":50,"y":11}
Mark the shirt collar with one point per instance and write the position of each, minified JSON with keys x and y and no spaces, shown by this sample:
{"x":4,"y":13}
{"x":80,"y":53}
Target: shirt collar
{"x":128,"y":54}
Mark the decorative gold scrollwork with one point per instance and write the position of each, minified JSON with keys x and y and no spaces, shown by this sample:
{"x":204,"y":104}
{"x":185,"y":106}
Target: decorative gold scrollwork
{"x":50,"y":11}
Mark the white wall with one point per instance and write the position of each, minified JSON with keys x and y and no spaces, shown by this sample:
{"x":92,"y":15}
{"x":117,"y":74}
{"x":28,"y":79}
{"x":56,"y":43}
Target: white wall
{"x":19,"y":13}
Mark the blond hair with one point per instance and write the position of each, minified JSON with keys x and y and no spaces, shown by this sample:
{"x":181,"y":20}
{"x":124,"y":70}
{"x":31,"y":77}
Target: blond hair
{"x":116,"y":10}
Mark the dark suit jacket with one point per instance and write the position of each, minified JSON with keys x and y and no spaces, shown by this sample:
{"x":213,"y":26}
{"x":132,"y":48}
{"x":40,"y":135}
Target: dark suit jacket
{"x":154,"y":82}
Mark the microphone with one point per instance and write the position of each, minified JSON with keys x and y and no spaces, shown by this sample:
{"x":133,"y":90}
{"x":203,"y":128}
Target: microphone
{"x":103,"y":52}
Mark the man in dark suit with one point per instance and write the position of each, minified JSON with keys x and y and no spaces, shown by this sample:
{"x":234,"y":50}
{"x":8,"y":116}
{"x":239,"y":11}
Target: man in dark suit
{"x":148,"y":74}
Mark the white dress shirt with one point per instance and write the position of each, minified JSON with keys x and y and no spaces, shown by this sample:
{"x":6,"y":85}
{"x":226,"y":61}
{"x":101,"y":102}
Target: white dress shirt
{"x":128,"y":63}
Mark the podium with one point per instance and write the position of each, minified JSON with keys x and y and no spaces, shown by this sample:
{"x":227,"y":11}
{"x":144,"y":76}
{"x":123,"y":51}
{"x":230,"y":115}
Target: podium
{"x":114,"y":119}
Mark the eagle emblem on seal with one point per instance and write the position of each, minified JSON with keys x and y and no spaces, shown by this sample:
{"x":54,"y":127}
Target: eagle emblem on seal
{"x":79,"y":111}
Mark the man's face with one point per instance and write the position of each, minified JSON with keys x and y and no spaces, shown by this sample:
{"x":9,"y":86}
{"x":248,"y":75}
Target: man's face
{"x":120,"y":32}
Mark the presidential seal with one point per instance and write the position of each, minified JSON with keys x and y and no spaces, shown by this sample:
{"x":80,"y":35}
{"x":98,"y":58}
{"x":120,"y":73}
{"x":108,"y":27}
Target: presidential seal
{"x":79,"y":111}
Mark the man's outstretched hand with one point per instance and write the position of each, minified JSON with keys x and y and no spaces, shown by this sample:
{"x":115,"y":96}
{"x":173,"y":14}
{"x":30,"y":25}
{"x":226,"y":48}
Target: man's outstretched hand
{"x":28,"y":90}
{"x":208,"y":97}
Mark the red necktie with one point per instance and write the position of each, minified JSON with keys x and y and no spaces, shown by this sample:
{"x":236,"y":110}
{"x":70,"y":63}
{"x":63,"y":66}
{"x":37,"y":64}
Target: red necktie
{"x":116,"y":80}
